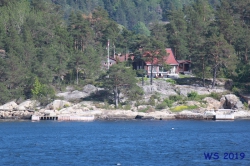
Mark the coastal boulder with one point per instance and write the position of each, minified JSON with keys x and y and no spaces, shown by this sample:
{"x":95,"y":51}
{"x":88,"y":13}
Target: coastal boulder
{"x":73,"y":96}
{"x":9,"y":106}
{"x":231,"y":101}
{"x":28,"y":104}
{"x":58,"y":104}
{"x":212,"y":103}
{"x":89,"y":89}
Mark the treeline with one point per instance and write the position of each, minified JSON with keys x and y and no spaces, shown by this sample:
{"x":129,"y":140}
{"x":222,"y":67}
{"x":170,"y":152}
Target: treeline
{"x":41,"y":51}
{"x":215,"y":38}
{"x":128,"y":13}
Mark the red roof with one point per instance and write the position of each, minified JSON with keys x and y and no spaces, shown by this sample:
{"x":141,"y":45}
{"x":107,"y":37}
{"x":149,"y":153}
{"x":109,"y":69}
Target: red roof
{"x":183,"y":61}
{"x":170,"y":59}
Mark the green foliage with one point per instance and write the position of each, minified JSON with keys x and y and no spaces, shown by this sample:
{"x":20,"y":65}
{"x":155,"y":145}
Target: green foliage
{"x":235,"y":90}
{"x":172,"y":81}
{"x":192,"y":95}
{"x":122,"y":79}
{"x":161,"y":105}
{"x":175,"y":98}
{"x":169,"y":102}
{"x":135,"y":93}
{"x":38,"y":88}
{"x":215,"y":95}
{"x":152,"y":101}
{"x":140,"y":28}
{"x":183,"y":107}
{"x":246,"y":105}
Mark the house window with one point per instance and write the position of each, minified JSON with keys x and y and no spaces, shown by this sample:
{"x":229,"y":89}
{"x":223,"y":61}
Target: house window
{"x":154,"y":69}
{"x":161,"y":69}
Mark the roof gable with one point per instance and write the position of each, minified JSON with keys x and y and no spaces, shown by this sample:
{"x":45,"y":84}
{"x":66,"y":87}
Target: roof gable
{"x":171,"y":58}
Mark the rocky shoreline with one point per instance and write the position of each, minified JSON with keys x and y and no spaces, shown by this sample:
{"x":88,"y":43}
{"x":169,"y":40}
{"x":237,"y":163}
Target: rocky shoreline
{"x":72,"y":104}
{"x":12,"y":111}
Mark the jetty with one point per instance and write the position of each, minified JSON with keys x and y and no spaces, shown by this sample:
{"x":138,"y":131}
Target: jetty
{"x":224,"y":114}
{"x":63,"y":118}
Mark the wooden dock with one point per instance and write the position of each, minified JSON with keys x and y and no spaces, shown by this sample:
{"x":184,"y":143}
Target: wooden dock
{"x":63,"y":118}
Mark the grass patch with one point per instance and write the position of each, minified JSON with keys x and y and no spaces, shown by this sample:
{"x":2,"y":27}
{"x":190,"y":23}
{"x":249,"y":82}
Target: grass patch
{"x":183,"y":107}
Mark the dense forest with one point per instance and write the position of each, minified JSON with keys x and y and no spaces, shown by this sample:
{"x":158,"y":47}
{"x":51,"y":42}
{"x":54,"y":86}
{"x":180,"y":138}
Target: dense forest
{"x":46,"y":45}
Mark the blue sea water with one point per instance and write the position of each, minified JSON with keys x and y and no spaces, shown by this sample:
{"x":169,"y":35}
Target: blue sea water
{"x":173,"y":142}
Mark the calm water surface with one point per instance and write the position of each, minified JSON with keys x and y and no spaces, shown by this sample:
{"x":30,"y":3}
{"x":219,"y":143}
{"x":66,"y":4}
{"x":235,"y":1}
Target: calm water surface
{"x":174,"y":142}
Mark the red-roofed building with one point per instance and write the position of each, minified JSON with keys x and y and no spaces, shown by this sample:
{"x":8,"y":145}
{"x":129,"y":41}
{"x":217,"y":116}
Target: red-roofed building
{"x":158,"y":70}
{"x":177,"y":66}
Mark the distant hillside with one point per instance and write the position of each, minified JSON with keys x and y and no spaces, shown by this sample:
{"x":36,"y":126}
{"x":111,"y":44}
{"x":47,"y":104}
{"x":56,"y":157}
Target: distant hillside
{"x":125,"y":12}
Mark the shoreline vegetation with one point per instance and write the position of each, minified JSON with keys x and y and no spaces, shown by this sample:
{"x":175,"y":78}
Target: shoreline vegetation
{"x":161,"y":101}
{"x":73,"y":58}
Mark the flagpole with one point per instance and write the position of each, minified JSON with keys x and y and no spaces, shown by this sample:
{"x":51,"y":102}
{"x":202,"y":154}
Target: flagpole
{"x":108,"y":54}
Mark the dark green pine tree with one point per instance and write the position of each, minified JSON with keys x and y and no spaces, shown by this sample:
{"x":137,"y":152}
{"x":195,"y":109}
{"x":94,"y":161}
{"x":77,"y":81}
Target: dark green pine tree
{"x":177,"y":31}
{"x":221,"y":55}
{"x":199,"y":17}
{"x":120,"y":79}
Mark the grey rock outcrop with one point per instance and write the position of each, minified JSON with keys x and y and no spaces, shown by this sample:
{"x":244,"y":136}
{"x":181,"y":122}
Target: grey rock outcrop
{"x":231,"y":101}
{"x":9,"y":106}
{"x":212,"y":103}
{"x":73,"y":96}
{"x":58,"y":104}
{"x":89,"y":89}
{"x":76,"y":95}
{"x":28,"y":104}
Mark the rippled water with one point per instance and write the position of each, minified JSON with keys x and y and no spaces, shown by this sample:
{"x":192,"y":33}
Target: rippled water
{"x":174,"y":142}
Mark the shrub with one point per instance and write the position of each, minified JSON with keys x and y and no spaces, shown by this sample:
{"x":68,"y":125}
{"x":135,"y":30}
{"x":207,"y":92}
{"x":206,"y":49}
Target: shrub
{"x":173,"y":82}
{"x":246,"y":105}
{"x":215,"y":96}
{"x":192,"y":95}
{"x":169,"y":102}
{"x":175,"y":98}
{"x":236,"y":90}
{"x":152,"y":101}
{"x":161,"y":106}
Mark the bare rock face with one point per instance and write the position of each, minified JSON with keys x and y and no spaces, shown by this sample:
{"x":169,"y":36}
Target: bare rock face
{"x":231,"y":101}
{"x":149,"y":89}
{"x":9,"y":106}
{"x":28,"y":104}
{"x":212,"y":103}
{"x":75,"y":95}
{"x":89,"y":89}
{"x":58,"y":104}
{"x":72,"y":96}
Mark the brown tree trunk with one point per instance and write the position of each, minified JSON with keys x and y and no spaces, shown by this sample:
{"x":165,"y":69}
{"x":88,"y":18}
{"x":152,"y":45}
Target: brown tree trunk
{"x":203,"y":72}
{"x":151,"y":74}
{"x":116,"y":96}
{"x":246,"y":58}
{"x":214,"y":76}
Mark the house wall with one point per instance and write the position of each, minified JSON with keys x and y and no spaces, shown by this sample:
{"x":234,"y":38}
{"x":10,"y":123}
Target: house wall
{"x":183,"y":68}
{"x":173,"y":70}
